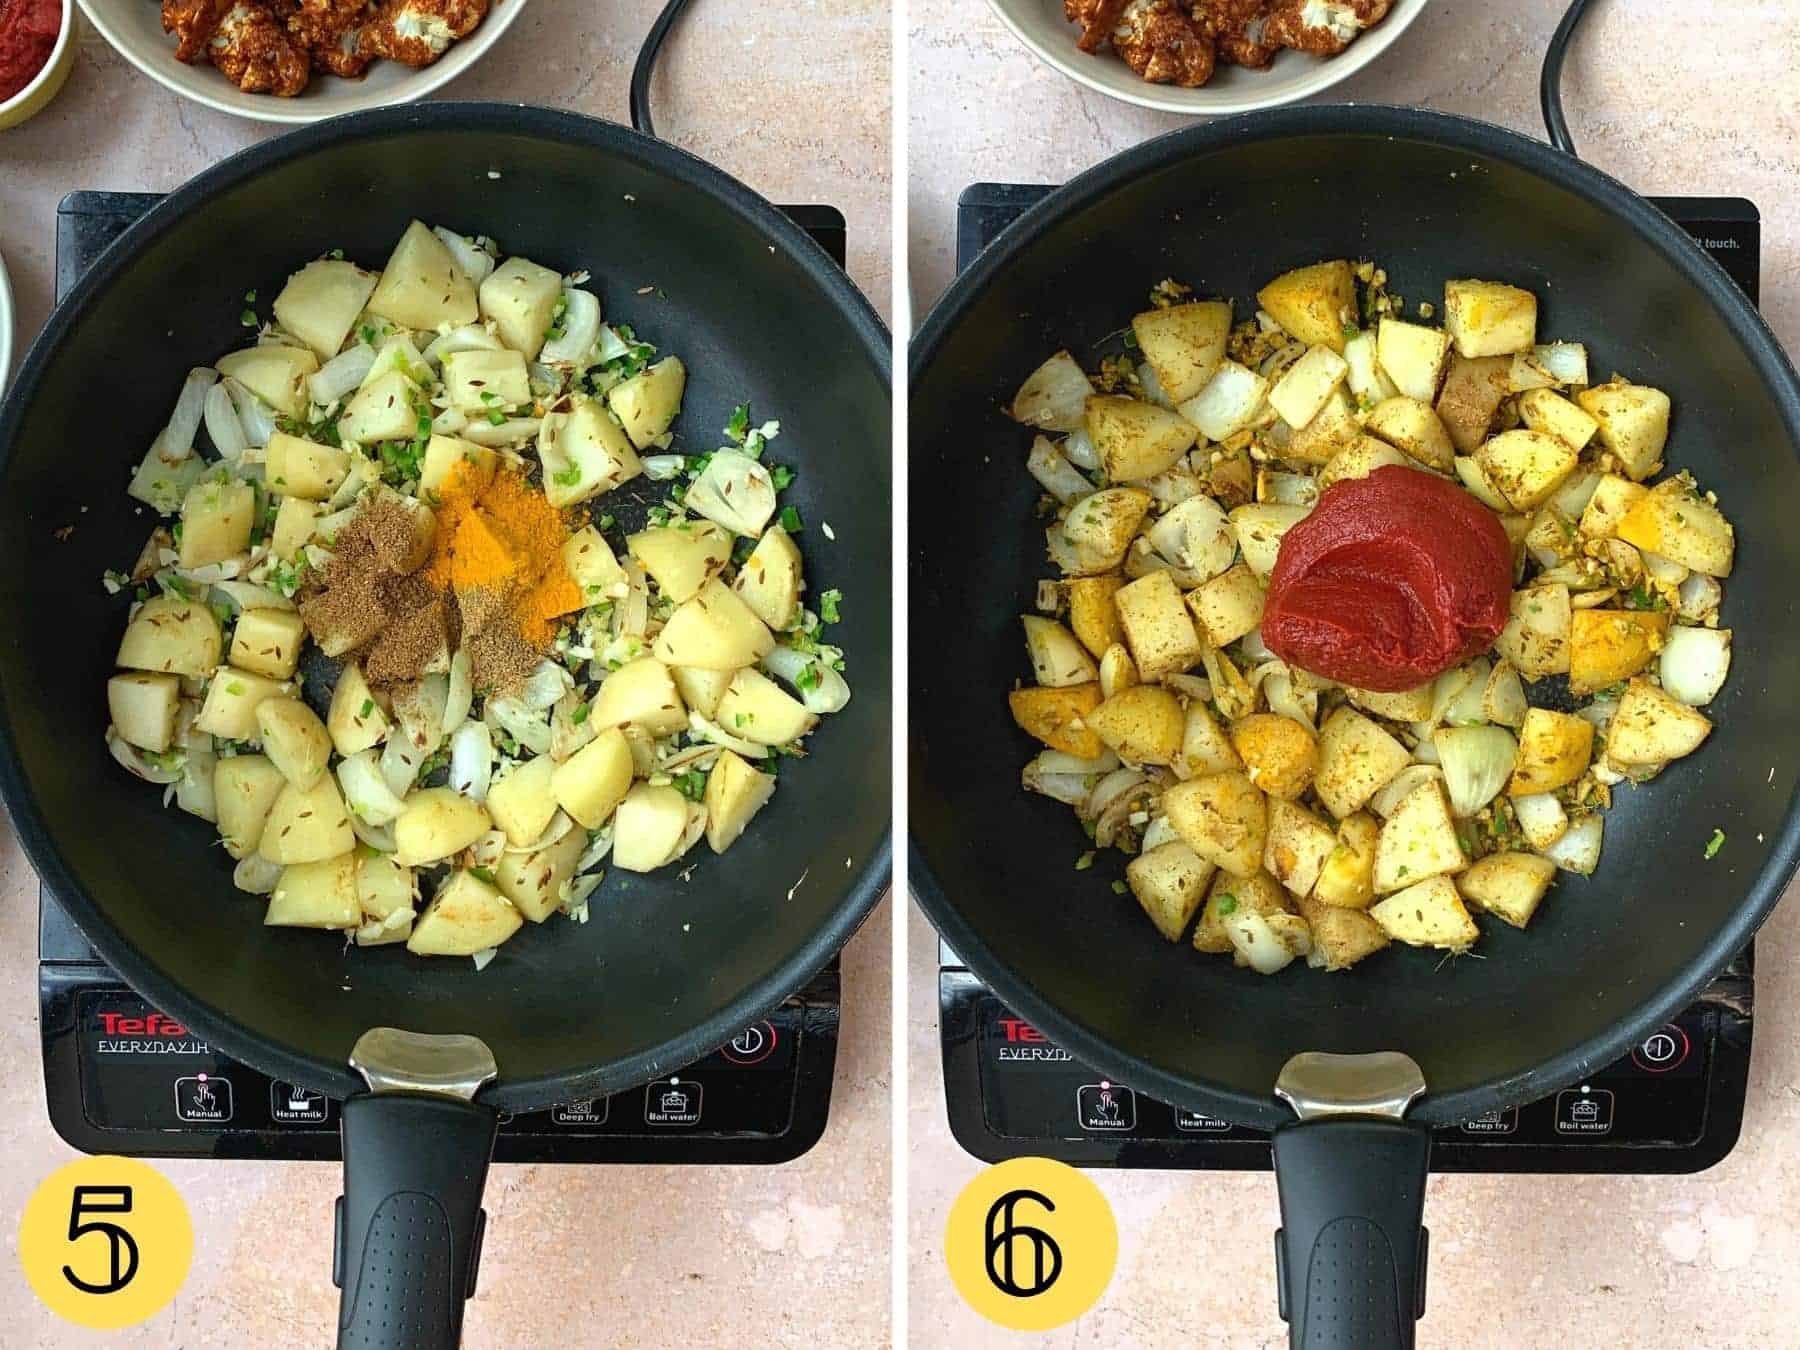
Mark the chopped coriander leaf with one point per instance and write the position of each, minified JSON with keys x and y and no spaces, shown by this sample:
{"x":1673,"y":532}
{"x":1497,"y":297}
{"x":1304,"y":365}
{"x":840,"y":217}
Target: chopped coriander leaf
{"x":1714,"y":844}
{"x":790,"y":520}
{"x":739,"y":425}
{"x":742,"y":549}
{"x":657,"y":515}
{"x":606,"y":521}
{"x":580,"y":714}
{"x":828,"y":605}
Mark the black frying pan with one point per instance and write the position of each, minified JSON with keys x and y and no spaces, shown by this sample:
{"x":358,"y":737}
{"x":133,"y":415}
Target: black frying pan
{"x":1225,"y":207}
{"x":666,"y":970}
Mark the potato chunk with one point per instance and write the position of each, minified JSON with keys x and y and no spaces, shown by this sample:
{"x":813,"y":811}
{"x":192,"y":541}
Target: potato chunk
{"x":1316,"y":304}
{"x":1536,"y":637}
{"x":769,"y":580}
{"x":1057,"y":659}
{"x":1056,"y":717}
{"x":1157,"y":626}
{"x":1298,"y":845}
{"x":1487,"y":318}
{"x":1101,"y":527}
{"x":232,"y":699}
{"x":356,"y":721}
{"x":294,"y":739}
{"x":1427,"y":914}
{"x":585,"y":453}
{"x":1205,"y":746}
{"x":1347,"y":877}
{"x":1472,"y":393}
{"x":1143,"y":724}
{"x":171,"y":636}
{"x":215,"y":522}
{"x":519,"y":298}
{"x":1169,"y":881}
{"x":244,"y":791}
{"x":594,"y":780}
{"x":1092,"y":613}
{"x":1547,"y":411}
{"x":1252,"y":893}
{"x":316,"y":895}
{"x":1280,"y":755}
{"x":1223,"y":818}
{"x":533,"y":882}
{"x":1554,"y":749}
{"x":1652,"y":728}
{"x":1508,"y":885}
{"x":267,"y":642}
{"x":320,"y":303}
{"x":1417,"y":841}
{"x":1675,"y":521}
{"x":1634,"y":423}
{"x":1229,"y":605}
{"x":651,"y":821}
{"x":1609,"y":645}
{"x":301,"y":468}
{"x":436,"y":824}
{"x":1414,"y":427}
{"x":757,"y":709}
{"x":1303,"y":388}
{"x":735,"y":792}
{"x":1412,"y":356}
{"x":681,"y":558}
{"x":143,"y":707}
{"x":648,"y":403}
{"x":715,"y":630}
{"x":1525,"y":467}
{"x":1135,"y":439}
{"x":466,"y":916}
{"x":307,"y":825}
{"x":1356,"y":758}
{"x":1184,"y":344}
{"x":422,"y":285}
{"x":521,"y":800}
{"x":1341,"y":937}
{"x":274,"y":373}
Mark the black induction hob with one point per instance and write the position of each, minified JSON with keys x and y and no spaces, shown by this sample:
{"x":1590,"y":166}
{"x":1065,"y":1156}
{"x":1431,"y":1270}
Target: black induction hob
{"x":1675,"y":1104}
{"x":122,"y":1077}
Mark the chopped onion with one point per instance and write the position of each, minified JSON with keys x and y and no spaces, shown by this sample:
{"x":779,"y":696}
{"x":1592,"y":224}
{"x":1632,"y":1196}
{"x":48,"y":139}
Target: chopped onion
{"x":476,"y":262}
{"x":341,"y":376}
{"x":1467,"y":708}
{"x":489,"y":849}
{"x":828,"y":692}
{"x":366,"y":790}
{"x":1664,"y":570}
{"x":472,"y":760}
{"x":631,"y":615}
{"x":734,"y":492}
{"x":1541,"y":818}
{"x":1054,"y":396}
{"x":222,"y":425}
{"x":1069,"y":788}
{"x":559,"y":825}
{"x":1157,"y":833}
{"x":450,"y":422}
{"x":1190,"y":686}
{"x":1197,"y":536}
{"x":609,"y":345}
{"x":1578,"y":850}
{"x":1079,"y":449}
{"x":691,"y":832}
{"x":1699,"y":599}
{"x":243,"y":595}
{"x":420,"y":710}
{"x":1061,"y":479}
{"x":544,"y":686}
{"x":598,"y":847}
{"x":255,"y":874}
{"x":459,"y":694}
{"x":1256,"y":941}
{"x":1397,"y":787}
{"x":510,"y":432}
{"x":1059,"y":761}
{"x":1282,"y":697}
{"x":661,"y":468}
{"x":176,"y":440}
{"x":1599,"y":712}
{"x":378,"y":837}
{"x":471,"y":337}
{"x":135,"y":761}
{"x":483,"y":957}
{"x":574,"y":894}
{"x":400,"y":761}
{"x":1477,"y":763}
{"x":256,"y":418}
{"x":1152,"y":387}
{"x":581,"y":328}
{"x":712,"y":731}
{"x":1694,"y":664}
{"x":1503,"y":700}
{"x":530,"y":729}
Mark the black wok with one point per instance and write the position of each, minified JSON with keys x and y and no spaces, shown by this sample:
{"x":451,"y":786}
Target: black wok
{"x":667,"y":969}
{"x":1224,"y":207}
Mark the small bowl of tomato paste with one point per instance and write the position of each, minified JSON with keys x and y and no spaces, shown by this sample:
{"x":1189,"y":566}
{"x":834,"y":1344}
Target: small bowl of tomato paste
{"x":37,"y":48}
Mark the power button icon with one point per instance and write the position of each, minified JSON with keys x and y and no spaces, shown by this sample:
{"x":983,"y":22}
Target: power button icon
{"x":1662,"y":1050}
{"x":752,"y":1045}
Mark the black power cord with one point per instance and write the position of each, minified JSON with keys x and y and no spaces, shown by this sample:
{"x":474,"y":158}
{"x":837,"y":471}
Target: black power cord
{"x":646,"y":66}
{"x":1550,"y":82}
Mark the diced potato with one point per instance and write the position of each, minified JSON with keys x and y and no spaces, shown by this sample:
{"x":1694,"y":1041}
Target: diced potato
{"x":650,"y":823}
{"x":1298,"y":845}
{"x":390,"y":407}
{"x":1652,"y":728}
{"x":1103,"y":525}
{"x":1341,"y":937}
{"x":1427,"y":914}
{"x":1205,"y":745}
{"x":294,"y":739}
{"x":519,"y":299}
{"x":1316,"y":304}
{"x":1143,"y":724}
{"x":1417,"y":841}
{"x":1406,"y":705}
{"x":1223,"y":818}
{"x":1332,"y":428}
{"x":1134,"y":439}
{"x":1157,"y":627}
{"x":521,"y":800}
{"x":482,"y":383}
{"x":1554,"y":749}
{"x":1260,"y":528}
{"x":1525,"y":467}
{"x":215,"y":522}
{"x":1057,"y":659}
{"x":307,"y":825}
{"x":1117,"y":670}
{"x":356,"y":721}
{"x":1412,"y":356}
{"x":276,"y":374}
{"x":1536,"y":637}
{"x":466,"y":916}
{"x":1231,"y":401}
{"x":769,"y":580}
{"x":585,"y":453}
{"x":268,"y":642}
{"x":1303,"y":388}
{"x":594,"y":780}
{"x":321,"y":301}
{"x":1346,"y":878}
{"x":735,"y":792}
{"x":232,"y":699}
{"x":1634,"y":423}
{"x":1676,"y":522}
{"x":1488,"y":318}
{"x":701,"y":690}
{"x":1356,"y":757}
{"x":1549,"y":412}
{"x":1578,"y":850}
{"x":301,"y":468}
{"x":1056,"y":717}
{"x":1228,"y":606}
{"x":1613,"y":497}
{"x":1280,"y":755}
{"x":1412,"y":426}
{"x":1402,"y":785}
{"x":1473,"y":479}
{"x":533,"y":882}
{"x":244,"y":791}
{"x":1054,"y":396}
{"x":316,"y":895}
{"x":1508,"y":885}
{"x":591,"y":565}
{"x":436,"y":824}
{"x":422,"y":286}
{"x":1169,"y":881}
{"x":383,"y":886}
{"x":444,"y":453}
{"x":1359,"y":459}
{"x":1609,"y":645}
{"x":680,"y":558}
{"x":641,"y":692}
{"x":757,"y":709}
{"x":715,"y":630}
{"x":1092,"y":613}
{"x":295,"y":521}
{"x":1472,"y":393}
{"x":1253,"y":893}
{"x":1184,"y":344}
{"x":143,"y":706}
{"x":172,"y":636}
{"x":648,"y":403}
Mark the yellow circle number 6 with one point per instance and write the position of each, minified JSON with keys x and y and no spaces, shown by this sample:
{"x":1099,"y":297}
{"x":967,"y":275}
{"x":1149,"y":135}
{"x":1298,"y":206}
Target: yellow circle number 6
{"x":106,"y":1242}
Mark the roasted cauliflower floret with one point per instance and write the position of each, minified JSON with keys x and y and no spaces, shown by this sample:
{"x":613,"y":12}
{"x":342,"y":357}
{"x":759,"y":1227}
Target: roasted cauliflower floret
{"x":1237,"y":29}
{"x":1096,"y":18}
{"x":1163,"y":43}
{"x":251,"y":49}
{"x":417,"y":32}
{"x":1322,"y":27}
{"x":193,"y":22}
{"x":330,"y":32}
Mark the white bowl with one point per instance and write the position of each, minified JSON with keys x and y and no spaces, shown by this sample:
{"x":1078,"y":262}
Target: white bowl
{"x":1040,"y":25}
{"x":134,"y":28}
{"x":6,"y":328}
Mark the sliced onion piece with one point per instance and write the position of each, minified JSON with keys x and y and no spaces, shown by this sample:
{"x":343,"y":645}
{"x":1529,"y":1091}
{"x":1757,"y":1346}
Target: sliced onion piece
{"x":378,"y":837}
{"x":400,"y":761}
{"x":1197,"y":536}
{"x":222,"y":425}
{"x":825,"y":691}
{"x":1695,"y":662}
{"x":1258,"y":943}
{"x":242,"y":595}
{"x":512,"y":431}
{"x":559,"y":825}
{"x":1541,"y":818}
{"x":489,"y":849}
{"x":1157,"y":833}
{"x":1079,"y":449}
{"x":1396,"y":788}
{"x":459,"y":695}
{"x":1578,"y":850}
{"x":137,"y":763}
{"x":176,"y":440}
{"x":255,"y":417}
{"x":1699,"y":599}
{"x":255,"y":874}
{"x":661,"y":468}
{"x":598,"y":847}
{"x":735,"y":492}
{"x":472,"y":760}
{"x":711,"y":731}
{"x":691,"y":832}
{"x":471,"y":337}
{"x":341,"y":376}
{"x":1477,"y":762}
{"x":1054,"y":396}
{"x":1503,"y":700}
{"x":581,"y":329}
{"x":366,"y":789}
{"x":476,"y":262}
{"x":1069,"y":788}
{"x":544,"y":686}
{"x":530,"y":729}
{"x":1061,"y":479}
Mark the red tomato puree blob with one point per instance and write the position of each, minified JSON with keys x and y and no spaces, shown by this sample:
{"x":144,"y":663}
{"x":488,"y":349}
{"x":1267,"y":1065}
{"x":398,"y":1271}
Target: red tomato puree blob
{"x":1391,"y":580}
{"x":28,"y":30}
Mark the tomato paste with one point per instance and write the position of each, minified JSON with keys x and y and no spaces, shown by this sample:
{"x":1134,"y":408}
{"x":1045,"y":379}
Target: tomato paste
{"x":1391,"y":580}
{"x":28,"y":30}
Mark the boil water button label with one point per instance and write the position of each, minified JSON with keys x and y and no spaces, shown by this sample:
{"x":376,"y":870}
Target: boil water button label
{"x":672,"y":1102}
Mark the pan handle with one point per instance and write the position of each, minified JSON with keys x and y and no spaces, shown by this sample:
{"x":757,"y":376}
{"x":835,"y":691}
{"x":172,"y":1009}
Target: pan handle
{"x":1350,"y":1254}
{"x":410,"y":1221}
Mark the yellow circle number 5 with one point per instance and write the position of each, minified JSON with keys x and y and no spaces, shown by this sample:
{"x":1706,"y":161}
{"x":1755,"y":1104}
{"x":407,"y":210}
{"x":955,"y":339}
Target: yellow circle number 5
{"x":1031,"y":1244}
{"x":106,"y":1242}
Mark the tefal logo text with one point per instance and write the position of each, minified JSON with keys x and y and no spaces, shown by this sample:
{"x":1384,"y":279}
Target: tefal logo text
{"x":152,"y":1024}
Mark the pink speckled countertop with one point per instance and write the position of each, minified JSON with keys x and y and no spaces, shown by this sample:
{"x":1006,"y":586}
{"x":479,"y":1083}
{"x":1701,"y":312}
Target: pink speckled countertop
{"x":643,"y":1256}
{"x":1694,"y":98}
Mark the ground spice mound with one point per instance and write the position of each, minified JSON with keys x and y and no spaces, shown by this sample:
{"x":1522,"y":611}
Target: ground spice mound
{"x":367,"y":601}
